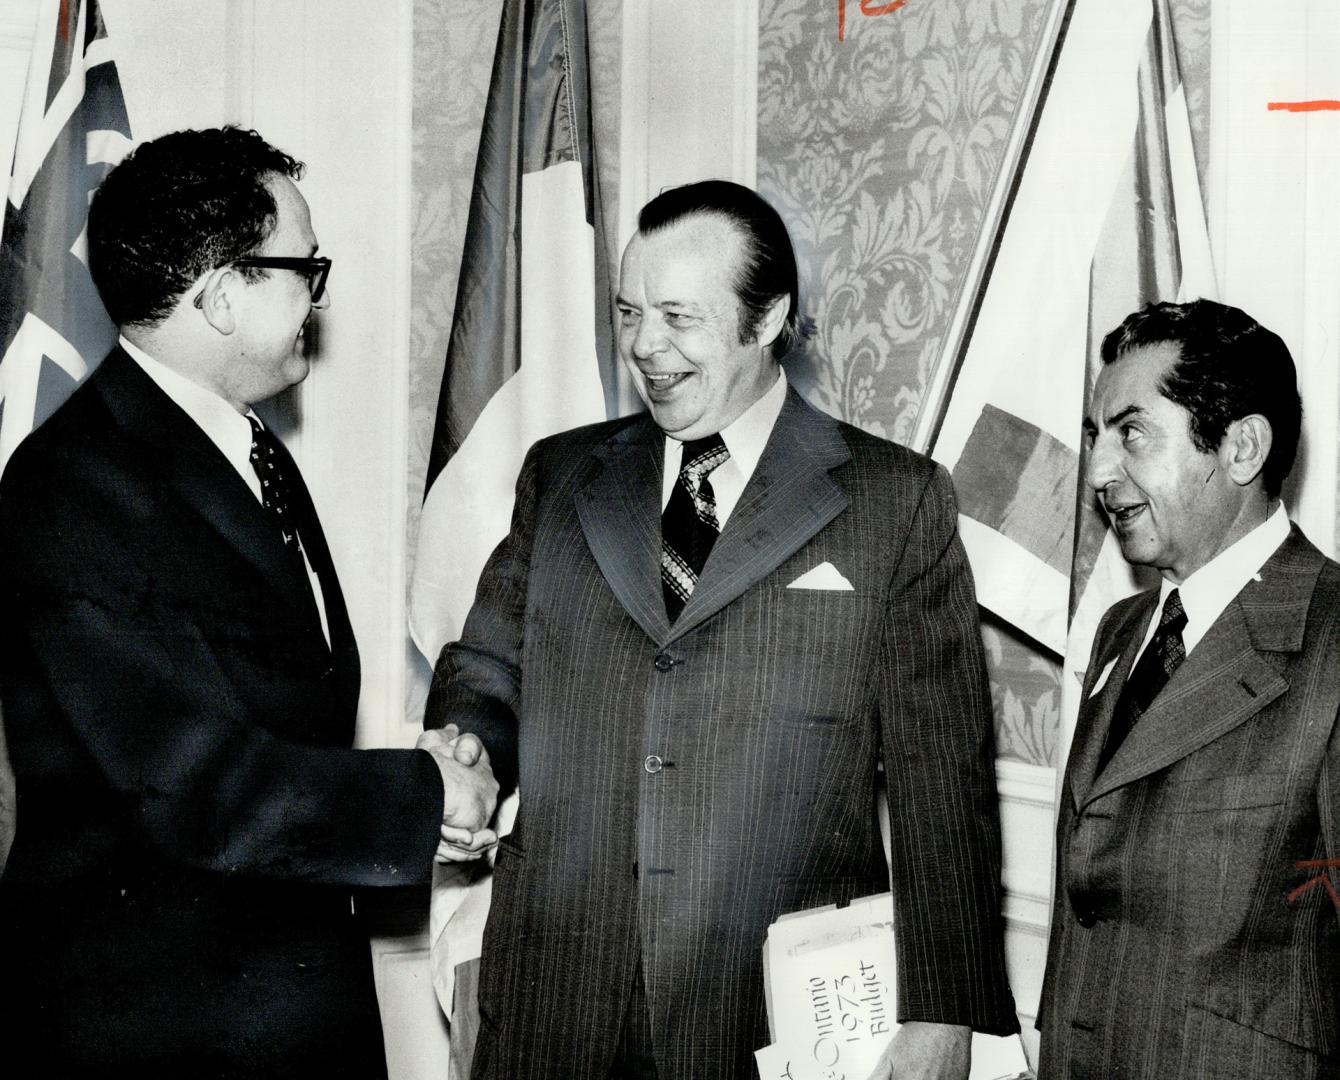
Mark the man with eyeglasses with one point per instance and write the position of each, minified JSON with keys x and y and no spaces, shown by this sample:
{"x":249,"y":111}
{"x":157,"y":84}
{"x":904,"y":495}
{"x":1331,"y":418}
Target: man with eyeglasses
{"x":179,"y":674}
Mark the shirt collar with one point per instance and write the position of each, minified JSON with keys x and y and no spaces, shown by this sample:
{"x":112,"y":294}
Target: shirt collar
{"x":747,"y":435}
{"x":1207,"y":592}
{"x":225,"y":427}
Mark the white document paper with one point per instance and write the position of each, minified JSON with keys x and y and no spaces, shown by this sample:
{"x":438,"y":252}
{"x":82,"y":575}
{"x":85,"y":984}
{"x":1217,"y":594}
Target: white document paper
{"x":830,"y":981}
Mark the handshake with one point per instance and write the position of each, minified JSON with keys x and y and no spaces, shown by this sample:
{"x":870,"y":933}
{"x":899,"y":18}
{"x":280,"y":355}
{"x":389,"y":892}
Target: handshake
{"x":469,"y":790}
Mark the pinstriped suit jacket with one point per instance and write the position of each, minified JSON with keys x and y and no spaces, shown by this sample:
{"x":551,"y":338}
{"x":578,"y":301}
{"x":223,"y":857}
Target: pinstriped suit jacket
{"x":770,"y":708}
{"x":1176,"y":951}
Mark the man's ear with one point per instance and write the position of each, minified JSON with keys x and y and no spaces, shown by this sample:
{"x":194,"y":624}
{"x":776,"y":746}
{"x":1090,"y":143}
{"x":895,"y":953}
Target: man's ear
{"x":215,"y":298}
{"x":1245,"y":448}
{"x":773,"y":320}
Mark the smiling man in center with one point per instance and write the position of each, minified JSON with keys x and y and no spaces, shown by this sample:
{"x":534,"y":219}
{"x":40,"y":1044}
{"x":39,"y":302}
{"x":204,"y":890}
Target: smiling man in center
{"x":706,"y":629}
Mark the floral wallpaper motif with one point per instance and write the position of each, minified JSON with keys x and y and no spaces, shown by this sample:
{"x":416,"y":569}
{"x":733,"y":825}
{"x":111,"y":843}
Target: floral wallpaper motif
{"x":1191,"y":42}
{"x":882,"y":151}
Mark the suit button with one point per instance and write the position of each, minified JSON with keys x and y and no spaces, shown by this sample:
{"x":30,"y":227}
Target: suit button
{"x":653,"y":763}
{"x":663,"y":662}
{"x":1086,"y":917}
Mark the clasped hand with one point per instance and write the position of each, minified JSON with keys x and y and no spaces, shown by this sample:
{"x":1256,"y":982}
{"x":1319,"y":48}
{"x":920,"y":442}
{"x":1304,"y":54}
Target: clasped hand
{"x":469,"y":790}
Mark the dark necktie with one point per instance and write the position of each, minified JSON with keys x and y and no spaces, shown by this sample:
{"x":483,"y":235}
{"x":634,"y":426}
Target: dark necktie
{"x":689,"y":523}
{"x":267,"y":461}
{"x":1161,"y":658}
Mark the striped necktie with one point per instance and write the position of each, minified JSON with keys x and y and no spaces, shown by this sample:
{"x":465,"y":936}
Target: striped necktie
{"x":1162,"y":656}
{"x":689,"y":523}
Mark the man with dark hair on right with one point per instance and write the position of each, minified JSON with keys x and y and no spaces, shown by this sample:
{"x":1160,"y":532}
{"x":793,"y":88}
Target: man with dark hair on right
{"x":1194,"y":933}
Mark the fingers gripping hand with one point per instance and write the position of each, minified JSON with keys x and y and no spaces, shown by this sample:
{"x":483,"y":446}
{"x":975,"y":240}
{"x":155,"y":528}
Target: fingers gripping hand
{"x":470,"y":793}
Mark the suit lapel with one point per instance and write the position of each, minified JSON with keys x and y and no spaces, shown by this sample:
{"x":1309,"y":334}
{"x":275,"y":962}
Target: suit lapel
{"x":200,"y":475}
{"x":1230,"y":675}
{"x":789,"y":498}
{"x":1121,"y":639}
{"x":620,"y":514}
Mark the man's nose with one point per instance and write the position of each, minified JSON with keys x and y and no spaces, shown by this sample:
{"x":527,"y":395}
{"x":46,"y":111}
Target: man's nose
{"x":649,"y":339}
{"x":1103,"y":466}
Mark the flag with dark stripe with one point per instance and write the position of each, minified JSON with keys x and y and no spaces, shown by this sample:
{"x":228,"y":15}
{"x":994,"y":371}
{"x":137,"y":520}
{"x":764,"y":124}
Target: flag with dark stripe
{"x":531,"y":353}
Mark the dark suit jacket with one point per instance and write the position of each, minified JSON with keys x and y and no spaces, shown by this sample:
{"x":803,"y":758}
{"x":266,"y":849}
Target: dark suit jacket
{"x":767,"y":709}
{"x":191,"y":815}
{"x":1176,"y":951}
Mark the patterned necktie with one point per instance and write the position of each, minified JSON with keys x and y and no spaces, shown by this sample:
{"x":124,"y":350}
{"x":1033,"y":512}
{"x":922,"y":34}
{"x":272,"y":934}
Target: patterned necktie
{"x":267,"y":463}
{"x":689,"y":524}
{"x":1163,"y":655}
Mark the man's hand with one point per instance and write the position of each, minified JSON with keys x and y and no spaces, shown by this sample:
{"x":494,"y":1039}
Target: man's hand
{"x":923,"y":1051}
{"x":470,"y":793}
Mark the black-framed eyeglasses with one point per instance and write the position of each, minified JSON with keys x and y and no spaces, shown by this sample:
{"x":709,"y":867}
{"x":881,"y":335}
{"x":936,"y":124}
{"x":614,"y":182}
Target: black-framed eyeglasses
{"x":315,"y":268}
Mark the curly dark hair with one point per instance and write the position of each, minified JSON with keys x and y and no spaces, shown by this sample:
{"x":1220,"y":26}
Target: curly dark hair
{"x":1228,"y":366}
{"x":768,"y":267}
{"x":175,"y":208}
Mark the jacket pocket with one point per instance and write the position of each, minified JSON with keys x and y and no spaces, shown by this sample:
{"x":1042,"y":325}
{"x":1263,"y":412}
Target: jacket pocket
{"x":1215,"y":1046}
{"x":1216,"y":794}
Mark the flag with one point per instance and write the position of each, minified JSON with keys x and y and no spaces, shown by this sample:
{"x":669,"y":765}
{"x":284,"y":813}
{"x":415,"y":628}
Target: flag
{"x":53,"y":328}
{"x":72,"y":128}
{"x":531,"y":350}
{"x":1108,"y":216}
{"x":531,"y":353}
{"x":1154,"y":246}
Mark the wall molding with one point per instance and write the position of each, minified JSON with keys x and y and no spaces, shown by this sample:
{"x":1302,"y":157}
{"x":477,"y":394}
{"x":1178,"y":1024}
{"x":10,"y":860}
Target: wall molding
{"x":689,"y":83}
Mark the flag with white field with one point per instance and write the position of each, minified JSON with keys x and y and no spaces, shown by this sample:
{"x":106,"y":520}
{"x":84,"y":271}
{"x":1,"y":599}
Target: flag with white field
{"x":1107,"y":218}
{"x":531,"y":353}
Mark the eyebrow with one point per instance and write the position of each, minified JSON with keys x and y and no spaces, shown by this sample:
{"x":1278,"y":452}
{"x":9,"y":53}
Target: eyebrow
{"x":1115,"y":418}
{"x":660,"y":305}
{"x":1125,"y":414}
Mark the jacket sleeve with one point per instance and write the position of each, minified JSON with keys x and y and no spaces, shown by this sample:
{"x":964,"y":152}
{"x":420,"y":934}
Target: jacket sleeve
{"x":477,"y":680}
{"x":118,"y":704}
{"x":939,"y":755}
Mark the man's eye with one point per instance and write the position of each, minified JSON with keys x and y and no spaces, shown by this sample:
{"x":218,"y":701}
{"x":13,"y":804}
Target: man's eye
{"x":627,"y":315}
{"x":676,"y":318}
{"x":1130,"y":433}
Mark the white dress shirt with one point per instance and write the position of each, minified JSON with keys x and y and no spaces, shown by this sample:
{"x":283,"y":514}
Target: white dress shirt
{"x":227,"y":429}
{"x":1206,"y":592}
{"x":745,"y":439}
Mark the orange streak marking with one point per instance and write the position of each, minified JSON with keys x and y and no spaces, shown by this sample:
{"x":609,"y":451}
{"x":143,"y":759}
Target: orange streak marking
{"x":1320,"y":105}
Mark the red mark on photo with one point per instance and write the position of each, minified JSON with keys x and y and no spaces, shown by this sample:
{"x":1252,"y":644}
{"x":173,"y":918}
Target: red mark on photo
{"x":868,"y":7}
{"x":1320,"y":105}
{"x":1324,"y":878}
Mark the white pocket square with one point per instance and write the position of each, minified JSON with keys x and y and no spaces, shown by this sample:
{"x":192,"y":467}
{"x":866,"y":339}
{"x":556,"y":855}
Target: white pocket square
{"x":823,"y":576}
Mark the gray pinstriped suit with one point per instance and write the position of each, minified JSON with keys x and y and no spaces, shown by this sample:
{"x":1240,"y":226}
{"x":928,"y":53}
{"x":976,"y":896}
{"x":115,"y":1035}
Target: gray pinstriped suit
{"x":770,"y":708}
{"x":1175,"y":950}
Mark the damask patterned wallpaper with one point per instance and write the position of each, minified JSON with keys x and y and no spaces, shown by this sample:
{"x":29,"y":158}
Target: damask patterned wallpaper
{"x":880,"y":139}
{"x":882,"y":149}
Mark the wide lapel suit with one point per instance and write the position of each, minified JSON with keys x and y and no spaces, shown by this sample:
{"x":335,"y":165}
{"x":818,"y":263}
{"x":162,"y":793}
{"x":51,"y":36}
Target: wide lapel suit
{"x":1176,"y":949}
{"x":685,"y":784}
{"x":191,"y":815}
